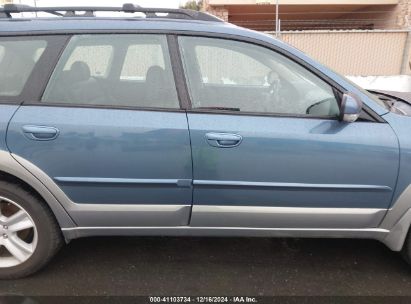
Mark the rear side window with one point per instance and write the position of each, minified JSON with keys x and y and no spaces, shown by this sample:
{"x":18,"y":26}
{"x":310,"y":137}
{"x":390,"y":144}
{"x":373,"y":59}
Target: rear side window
{"x":17,"y":60}
{"x":139,"y":59}
{"x":97,"y":57}
{"x":114,"y":70}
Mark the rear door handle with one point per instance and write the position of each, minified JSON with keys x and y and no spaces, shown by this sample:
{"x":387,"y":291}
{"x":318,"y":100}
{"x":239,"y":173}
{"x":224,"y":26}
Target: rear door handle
{"x":42,"y":133}
{"x":223,"y":140}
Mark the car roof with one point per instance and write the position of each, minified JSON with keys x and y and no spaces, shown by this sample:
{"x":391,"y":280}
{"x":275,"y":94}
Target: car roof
{"x":23,"y":26}
{"x":83,"y":19}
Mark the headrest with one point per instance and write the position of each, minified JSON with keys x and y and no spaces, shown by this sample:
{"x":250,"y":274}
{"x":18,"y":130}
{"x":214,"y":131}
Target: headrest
{"x":80,"y":71}
{"x":155,"y":74}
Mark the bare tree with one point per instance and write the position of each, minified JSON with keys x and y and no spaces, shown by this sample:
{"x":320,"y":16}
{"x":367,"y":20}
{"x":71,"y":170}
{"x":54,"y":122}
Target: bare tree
{"x":196,"y":5}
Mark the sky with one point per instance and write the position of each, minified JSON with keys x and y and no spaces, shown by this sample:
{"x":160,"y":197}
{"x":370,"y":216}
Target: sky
{"x":146,"y":3}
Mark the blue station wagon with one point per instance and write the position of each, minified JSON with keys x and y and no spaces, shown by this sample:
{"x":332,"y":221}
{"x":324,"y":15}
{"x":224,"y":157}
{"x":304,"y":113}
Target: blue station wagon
{"x":166,"y":122}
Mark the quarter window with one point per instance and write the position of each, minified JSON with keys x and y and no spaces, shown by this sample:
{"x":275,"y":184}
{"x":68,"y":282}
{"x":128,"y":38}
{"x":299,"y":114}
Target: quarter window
{"x":237,"y":76}
{"x":17,"y":60}
{"x":114,"y":70}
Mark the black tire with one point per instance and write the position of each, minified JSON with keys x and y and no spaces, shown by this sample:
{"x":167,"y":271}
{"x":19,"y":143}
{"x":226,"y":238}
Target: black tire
{"x":49,"y":239}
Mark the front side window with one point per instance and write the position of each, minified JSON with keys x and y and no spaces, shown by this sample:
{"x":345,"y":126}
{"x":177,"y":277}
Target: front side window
{"x":114,"y":70}
{"x":237,"y":76}
{"x":17,"y":60}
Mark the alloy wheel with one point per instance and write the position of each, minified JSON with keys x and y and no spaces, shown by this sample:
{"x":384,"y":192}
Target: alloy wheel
{"x":18,"y":234}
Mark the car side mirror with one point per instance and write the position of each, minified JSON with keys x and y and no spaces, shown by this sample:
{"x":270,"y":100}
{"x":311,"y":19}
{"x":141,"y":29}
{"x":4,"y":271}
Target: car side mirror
{"x":351,"y":107}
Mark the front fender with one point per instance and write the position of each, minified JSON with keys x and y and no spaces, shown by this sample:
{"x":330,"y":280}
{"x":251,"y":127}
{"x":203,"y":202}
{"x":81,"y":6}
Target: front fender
{"x":398,"y":217}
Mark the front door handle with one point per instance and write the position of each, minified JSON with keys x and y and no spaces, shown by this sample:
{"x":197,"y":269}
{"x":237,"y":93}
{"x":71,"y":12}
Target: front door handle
{"x":42,"y":133}
{"x":223,"y":140}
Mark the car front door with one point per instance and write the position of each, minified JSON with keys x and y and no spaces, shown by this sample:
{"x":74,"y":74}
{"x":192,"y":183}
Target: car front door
{"x":269,"y":150}
{"x":110,"y":133}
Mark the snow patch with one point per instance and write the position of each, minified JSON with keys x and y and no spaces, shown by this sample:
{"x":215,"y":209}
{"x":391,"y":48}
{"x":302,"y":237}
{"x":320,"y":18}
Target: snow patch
{"x":398,"y":83}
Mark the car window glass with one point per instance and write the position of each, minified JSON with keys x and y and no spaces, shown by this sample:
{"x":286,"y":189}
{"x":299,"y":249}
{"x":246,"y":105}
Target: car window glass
{"x":2,"y":51}
{"x":114,"y":70}
{"x":238,"y":76}
{"x":139,"y":59}
{"x":97,"y":57}
{"x":37,"y":54}
{"x":17,"y":61}
{"x":234,"y":62}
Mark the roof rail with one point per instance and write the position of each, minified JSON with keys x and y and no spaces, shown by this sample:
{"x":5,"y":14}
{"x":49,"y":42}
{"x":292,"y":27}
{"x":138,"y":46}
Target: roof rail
{"x":80,"y":11}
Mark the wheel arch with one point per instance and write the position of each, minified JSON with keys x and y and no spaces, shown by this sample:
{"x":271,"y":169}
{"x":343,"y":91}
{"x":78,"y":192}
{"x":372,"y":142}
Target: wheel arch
{"x":12,"y":170}
{"x":398,"y":221}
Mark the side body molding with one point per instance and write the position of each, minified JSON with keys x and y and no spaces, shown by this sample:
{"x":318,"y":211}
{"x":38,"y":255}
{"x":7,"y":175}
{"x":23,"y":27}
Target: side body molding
{"x":392,"y":231}
{"x":18,"y":167}
{"x":94,"y":215}
{"x":70,"y":215}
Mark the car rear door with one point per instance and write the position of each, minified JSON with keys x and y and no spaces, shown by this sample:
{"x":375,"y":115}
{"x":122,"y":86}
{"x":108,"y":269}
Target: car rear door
{"x":22,"y":60}
{"x":269,"y":150}
{"x":110,"y":132}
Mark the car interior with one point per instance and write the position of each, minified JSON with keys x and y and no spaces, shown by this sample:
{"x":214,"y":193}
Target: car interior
{"x":77,"y":84}
{"x":97,"y":79}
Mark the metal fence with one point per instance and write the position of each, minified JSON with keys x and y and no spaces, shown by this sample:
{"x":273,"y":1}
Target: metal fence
{"x":356,"y":52}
